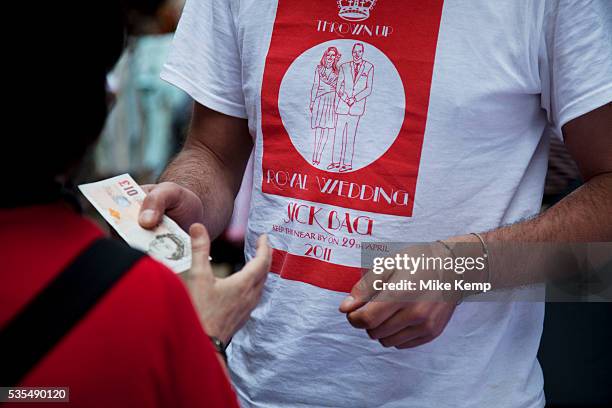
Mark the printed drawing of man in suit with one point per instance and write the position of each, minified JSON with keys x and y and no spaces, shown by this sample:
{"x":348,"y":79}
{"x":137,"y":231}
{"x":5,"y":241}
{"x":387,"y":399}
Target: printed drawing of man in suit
{"x":354,"y":85}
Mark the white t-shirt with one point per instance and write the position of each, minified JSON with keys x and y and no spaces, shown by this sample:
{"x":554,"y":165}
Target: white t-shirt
{"x":393,"y":121}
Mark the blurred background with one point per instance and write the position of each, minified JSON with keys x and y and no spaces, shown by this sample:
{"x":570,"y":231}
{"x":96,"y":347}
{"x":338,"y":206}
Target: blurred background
{"x":147,"y":123}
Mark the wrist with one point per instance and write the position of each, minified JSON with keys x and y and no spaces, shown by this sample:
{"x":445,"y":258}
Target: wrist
{"x":219,"y":346}
{"x":213,"y":331}
{"x":474,"y":257}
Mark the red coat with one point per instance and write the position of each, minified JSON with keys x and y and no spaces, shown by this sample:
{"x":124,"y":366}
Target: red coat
{"x":142,"y":345}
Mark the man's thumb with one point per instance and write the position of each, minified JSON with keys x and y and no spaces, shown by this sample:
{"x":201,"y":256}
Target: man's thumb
{"x":359,"y":296}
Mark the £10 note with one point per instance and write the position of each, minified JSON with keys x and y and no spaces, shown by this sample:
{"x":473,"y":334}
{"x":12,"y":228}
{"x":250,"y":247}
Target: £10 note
{"x":119,"y":199}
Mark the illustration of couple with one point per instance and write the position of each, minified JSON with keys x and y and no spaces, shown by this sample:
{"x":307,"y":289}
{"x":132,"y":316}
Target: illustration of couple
{"x":337,"y":103}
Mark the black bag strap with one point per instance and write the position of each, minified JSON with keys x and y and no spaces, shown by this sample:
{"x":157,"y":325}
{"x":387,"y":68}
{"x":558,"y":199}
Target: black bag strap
{"x":30,"y":335}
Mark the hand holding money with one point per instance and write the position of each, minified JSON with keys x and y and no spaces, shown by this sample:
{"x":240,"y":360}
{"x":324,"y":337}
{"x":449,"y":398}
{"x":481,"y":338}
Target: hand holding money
{"x":181,"y":204}
{"x":119,"y":200}
{"x":223,"y":305}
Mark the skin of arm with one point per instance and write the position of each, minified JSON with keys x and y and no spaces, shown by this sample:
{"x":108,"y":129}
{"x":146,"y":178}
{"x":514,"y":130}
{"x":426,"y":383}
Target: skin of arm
{"x":583,"y":216}
{"x":212,"y":163}
{"x":199,"y":187}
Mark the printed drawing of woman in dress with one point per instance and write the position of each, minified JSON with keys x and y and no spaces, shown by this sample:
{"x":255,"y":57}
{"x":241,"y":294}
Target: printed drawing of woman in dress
{"x":323,"y":101}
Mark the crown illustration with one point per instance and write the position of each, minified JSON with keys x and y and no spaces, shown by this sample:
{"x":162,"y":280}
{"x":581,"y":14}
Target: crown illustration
{"x":355,"y":10}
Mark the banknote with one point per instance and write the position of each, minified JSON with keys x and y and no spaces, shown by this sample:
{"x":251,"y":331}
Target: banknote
{"x":118,"y":200}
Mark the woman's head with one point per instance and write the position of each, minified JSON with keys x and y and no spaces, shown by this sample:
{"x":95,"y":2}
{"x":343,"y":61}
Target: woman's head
{"x":72,"y":103}
{"x":330,"y":58}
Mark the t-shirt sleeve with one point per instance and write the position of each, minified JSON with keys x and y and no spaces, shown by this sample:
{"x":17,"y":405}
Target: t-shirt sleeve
{"x":195,"y":375}
{"x":205,"y":58}
{"x":576,"y":63}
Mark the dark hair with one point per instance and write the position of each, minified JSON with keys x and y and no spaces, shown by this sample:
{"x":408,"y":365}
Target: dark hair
{"x":144,"y":7}
{"x":70,"y":103}
{"x":137,"y":12}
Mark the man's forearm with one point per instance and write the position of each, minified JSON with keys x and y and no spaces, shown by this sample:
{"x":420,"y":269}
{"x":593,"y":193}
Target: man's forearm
{"x":198,"y":169}
{"x":579,"y":217}
{"x":532,"y":251}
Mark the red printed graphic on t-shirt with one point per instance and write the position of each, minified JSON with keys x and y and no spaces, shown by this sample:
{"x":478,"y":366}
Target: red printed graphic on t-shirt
{"x":367,"y":68}
{"x":344,"y":104}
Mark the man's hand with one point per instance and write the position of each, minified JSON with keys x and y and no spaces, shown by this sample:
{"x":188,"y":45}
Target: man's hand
{"x":224,"y":305}
{"x":202,"y":181}
{"x":179,"y":203}
{"x":404,"y":319}
{"x":399,"y":325}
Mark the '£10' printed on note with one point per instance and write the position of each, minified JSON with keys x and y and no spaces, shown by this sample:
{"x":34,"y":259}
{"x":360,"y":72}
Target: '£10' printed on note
{"x":119,"y":199}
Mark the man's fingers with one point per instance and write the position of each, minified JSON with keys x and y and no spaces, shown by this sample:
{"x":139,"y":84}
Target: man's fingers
{"x":415,"y":342}
{"x":362,"y":292}
{"x":200,"y":249}
{"x":159,"y":199}
{"x":403,"y":318}
{"x":423,"y":323}
{"x":404,"y":336}
{"x":372,"y":315}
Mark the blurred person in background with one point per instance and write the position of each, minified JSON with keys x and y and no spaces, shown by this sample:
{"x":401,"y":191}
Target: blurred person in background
{"x":149,"y":117}
{"x":81,"y":311}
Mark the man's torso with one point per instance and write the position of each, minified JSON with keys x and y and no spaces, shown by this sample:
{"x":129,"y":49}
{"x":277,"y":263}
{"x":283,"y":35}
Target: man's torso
{"x":448,"y":101}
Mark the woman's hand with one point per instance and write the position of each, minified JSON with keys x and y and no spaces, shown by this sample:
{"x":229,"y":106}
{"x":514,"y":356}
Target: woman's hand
{"x":224,"y":305}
